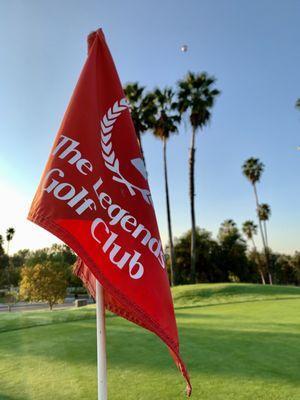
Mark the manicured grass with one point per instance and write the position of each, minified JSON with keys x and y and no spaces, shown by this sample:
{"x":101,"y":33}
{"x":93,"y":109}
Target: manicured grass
{"x":220,"y":293}
{"x":30,"y":319}
{"x":239,"y":341}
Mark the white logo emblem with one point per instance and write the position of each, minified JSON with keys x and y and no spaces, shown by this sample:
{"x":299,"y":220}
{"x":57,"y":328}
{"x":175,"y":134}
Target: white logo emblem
{"x":109,"y":156}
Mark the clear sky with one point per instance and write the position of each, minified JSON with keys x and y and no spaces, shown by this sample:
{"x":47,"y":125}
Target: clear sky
{"x":251,"y":47}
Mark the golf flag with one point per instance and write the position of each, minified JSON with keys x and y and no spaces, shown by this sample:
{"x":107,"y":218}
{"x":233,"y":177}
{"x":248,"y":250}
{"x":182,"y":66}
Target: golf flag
{"x":95,"y":197}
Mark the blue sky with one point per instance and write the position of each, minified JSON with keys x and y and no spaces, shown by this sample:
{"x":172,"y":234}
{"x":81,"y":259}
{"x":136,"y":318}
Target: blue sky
{"x":252,"y":48}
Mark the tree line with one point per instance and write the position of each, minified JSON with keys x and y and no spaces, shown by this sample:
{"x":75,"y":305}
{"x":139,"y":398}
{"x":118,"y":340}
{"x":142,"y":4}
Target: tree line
{"x":230,"y":258}
{"x":11,"y":266}
{"x":38,"y":275}
{"x":45,"y":274}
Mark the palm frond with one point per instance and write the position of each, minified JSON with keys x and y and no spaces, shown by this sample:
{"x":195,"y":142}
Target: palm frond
{"x":196,"y":96}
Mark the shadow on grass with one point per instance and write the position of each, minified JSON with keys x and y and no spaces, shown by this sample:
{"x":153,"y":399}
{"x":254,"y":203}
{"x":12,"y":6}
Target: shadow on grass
{"x":28,"y":320}
{"x":224,"y":303}
{"x":6,"y":397}
{"x":213,"y":351}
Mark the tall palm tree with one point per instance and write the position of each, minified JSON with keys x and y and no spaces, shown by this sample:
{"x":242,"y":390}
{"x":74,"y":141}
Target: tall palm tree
{"x":249,"y":229}
{"x":140,"y":109}
{"x":253,"y":169}
{"x":9,"y":236}
{"x":196,"y":96}
{"x":164,"y":124}
{"x":264,"y":213}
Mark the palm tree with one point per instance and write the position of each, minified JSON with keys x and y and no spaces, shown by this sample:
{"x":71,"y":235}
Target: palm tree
{"x":249,"y":229}
{"x":196,"y":96}
{"x":9,"y":236}
{"x":228,"y":226}
{"x":264,"y":213}
{"x":253,"y":169}
{"x":164,"y":124}
{"x":140,"y":109}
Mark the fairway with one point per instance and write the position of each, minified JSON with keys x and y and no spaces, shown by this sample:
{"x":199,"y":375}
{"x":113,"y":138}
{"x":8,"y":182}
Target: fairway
{"x":239,"y":342}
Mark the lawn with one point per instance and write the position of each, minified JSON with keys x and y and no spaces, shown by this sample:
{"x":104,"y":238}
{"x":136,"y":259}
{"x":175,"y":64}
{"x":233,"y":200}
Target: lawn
{"x":239,"y":342}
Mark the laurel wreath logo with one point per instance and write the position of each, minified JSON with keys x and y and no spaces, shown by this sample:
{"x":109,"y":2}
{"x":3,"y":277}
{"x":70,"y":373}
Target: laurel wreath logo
{"x":110,"y":160}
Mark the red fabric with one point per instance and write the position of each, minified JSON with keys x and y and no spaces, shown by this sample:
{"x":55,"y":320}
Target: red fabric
{"x":94,"y":196}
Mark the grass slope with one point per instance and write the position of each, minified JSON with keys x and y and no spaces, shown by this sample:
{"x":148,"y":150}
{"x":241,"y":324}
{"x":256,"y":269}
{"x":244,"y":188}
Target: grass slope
{"x":239,"y":341}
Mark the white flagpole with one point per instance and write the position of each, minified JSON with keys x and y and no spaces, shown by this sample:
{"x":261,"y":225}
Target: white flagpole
{"x":101,"y":345}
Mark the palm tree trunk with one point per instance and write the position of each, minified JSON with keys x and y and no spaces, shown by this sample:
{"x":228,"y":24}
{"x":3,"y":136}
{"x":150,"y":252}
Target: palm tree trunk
{"x":7,"y":268}
{"x":192,"y":200}
{"x":140,"y":145}
{"x":266,"y":235}
{"x":270,"y":278}
{"x":258,"y":263}
{"x":267,"y":246}
{"x":262,"y":236}
{"x":262,"y":276}
{"x":172,"y":255}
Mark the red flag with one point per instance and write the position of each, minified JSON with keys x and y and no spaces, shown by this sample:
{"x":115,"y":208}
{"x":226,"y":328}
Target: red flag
{"x":94,"y":196}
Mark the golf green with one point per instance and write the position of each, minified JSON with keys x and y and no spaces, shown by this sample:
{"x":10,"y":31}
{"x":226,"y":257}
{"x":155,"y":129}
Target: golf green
{"x":239,"y":342}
